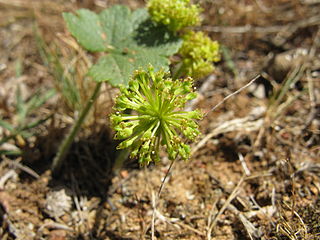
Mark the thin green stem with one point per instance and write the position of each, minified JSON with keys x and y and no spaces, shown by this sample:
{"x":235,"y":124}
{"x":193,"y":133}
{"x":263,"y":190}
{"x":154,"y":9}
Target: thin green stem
{"x":65,"y":145}
{"x":165,"y":178}
{"x":120,"y":159}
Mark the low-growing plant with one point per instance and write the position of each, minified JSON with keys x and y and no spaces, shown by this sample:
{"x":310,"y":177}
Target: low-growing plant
{"x":24,"y":122}
{"x":68,"y":70}
{"x":130,"y":40}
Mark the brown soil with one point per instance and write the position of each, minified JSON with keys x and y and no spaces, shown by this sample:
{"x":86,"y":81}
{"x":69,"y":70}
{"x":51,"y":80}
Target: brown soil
{"x":255,"y":171}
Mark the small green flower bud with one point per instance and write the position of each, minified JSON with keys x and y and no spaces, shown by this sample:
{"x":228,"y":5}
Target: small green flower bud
{"x":196,"y":114}
{"x":127,"y":143}
{"x":184,"y":151}
{"x":191,"y":96}
{"x":115,"y":119}
{"x":124,"y":133}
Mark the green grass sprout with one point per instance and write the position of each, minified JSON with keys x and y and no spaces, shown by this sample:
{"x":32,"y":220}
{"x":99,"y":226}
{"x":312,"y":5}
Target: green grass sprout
{"x":25,"y":118}
{"x":149,"y":114}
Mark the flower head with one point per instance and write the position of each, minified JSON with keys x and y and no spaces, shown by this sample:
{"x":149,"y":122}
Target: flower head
{"x":198,"y":52}
{"x":175,"y":14}
{"x":149,"y":114}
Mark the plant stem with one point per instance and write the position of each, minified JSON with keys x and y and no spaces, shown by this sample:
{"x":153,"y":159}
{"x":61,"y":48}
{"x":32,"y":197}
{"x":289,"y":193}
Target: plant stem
{"x":65,"y":145}
{"x":156,"y":198}
{"x":120,"y":159}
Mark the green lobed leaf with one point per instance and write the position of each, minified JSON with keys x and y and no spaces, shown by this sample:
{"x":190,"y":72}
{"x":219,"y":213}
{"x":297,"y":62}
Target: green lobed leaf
{"x":85,"y":26}
{"x":6,"y":125}
{"x":117,"y":68}
{"x":131,"y":40}
{"x":119,"y":23}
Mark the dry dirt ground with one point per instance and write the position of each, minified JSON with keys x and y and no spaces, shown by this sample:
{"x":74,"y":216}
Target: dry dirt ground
{"x":255,"y":171}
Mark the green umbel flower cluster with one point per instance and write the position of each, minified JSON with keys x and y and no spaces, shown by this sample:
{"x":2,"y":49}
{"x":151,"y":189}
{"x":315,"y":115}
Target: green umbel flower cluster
{"x":149,"y":114}
{"x":198,"y":52}
{"x":175,"y":14}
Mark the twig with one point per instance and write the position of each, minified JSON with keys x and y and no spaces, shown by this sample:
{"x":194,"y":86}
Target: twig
{"x":75,"y":189}
{"x":314,"y":20}
{"x":290,"y":29}
{"x":263,"y":7}
{"x":225,"y":205}
{"x":12,"y":229}
{"x":174,"y":221}
{"x":154,"y":200}
{"x":311,"y":88}
{"x":11,"y":173}
{"x":165,"y":178}
{"x":24,"y":168}
{"x":54,"y":225}
{"x":244,"y":165}
{"x":190,"y":228}
{"x":232,"y":125}
{"x":214,"y":206}
{"x":232,"y":94}
{"x":243,"y":29}
{"x":153,"y":215}
{"x":252,"y":231}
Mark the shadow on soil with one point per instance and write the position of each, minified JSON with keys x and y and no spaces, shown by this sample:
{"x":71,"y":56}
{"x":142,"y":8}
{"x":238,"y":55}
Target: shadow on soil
{"x":86,"y":171}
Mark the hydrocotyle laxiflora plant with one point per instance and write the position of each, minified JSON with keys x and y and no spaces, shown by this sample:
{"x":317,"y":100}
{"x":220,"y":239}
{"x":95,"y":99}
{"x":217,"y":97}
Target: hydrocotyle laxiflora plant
{"x":149,"y":114}
{"x":129,"y":40}
{"x":126,"y":40}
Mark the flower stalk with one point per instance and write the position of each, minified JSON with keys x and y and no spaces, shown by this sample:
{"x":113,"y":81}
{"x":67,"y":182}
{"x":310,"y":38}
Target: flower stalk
{"x":65,"y":145}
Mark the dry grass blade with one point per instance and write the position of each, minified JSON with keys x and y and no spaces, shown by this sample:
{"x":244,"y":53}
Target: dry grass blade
{"x":232,"y":196}
{"x":312,"y":21}
{"x":239,"y":124}
{"x":55,"y":225}
{"x":156,"y":198}
{"x":244,"y":165}
{"x":279,"y":103}
{"x":174,"y":221}
{"x":232,"y":94}
{"x":26,"y":169}
{"x":212,"y":213}
{"x":292,"y":229}
{"x":236,"y":124}
{"x":11,"y":173}
{"x":252,"y":231}
{"x":313,"y":92}
{"x":153,"y":215}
